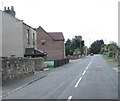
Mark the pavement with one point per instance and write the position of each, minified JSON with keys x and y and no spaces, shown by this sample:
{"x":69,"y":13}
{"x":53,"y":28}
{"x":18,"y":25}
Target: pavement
{"x":16,"y":85}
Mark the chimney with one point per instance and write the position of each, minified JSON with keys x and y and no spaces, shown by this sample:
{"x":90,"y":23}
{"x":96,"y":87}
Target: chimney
{"x":10,"y":11}
{"x":4,"y":8}
{"x":8,"y":8}
{"x":12,"y":8}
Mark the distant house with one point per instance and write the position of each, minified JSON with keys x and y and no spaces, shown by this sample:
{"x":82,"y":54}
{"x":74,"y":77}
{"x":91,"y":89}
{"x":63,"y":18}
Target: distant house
{"x":18,"y":38}
{"x":52,"y":43}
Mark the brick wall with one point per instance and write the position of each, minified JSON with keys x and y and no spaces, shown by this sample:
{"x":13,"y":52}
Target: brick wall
{"x":54,"y":49}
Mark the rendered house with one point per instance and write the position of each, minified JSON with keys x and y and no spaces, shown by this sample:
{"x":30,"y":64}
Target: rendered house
{"x":52,"y":43}
{"x":119,"y":23}
{"x":0,"y":33}
{"x":18,"y":38}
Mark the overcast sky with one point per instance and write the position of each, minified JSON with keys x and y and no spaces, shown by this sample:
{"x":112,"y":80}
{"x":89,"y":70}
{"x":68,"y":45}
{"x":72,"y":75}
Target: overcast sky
{"x":92,"y":19}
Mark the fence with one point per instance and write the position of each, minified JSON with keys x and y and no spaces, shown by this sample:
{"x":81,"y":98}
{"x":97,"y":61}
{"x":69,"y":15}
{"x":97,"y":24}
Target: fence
{"x":60,"y":62}
{"x":74,"y":57}
{"x":15,"y":68}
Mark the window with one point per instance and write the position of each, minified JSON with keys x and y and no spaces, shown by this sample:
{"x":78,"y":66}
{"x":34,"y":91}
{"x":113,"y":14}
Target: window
{"x":28,"y":36}
{"x":43,"y":42}
{"x":33,"y":38}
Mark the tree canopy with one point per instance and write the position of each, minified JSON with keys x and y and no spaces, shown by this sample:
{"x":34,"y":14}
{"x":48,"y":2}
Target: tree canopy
{"x":73,"y":46}
{"x":96,"y":46}
{"x":113,"y":46}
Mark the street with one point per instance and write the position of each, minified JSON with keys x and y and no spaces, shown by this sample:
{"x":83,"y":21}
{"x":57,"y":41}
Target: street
{"x":90,"y":77}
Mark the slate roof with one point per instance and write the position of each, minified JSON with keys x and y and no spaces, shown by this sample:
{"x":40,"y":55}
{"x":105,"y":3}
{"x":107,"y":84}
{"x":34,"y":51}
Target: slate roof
{"x":57,"y":36}
{"x":34,"y":52}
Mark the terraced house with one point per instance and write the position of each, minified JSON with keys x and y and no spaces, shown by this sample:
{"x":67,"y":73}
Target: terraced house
{"x":18,"y":38}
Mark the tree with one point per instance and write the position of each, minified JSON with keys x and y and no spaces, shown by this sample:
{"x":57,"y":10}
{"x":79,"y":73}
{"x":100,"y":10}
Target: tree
{"x":104,"y":48}
{"x":72,"y":45}
{"x":77,"y":51}
{"x":76,"y":41}
{"x":96,"y":46}
{"x":68,"y":47}
{"x":113,"y":46}
{"x":113,"y":49}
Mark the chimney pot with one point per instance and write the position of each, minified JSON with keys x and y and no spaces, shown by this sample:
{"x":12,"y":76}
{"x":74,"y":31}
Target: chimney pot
{"x":12,"y":8}
{"x":4,"y":8}
{"x":8,"y":8}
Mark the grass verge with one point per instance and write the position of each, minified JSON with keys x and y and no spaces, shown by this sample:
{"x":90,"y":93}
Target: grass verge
{"x":111,"y":59}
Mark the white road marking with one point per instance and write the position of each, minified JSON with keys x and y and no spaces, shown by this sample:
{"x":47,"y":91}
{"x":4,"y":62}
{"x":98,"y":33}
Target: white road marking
{"x":84,"y":72}
{"x":86,"y":68}
{"x":78,"y":82}
{"x":69,"y":98}
{"x":89,"y":63}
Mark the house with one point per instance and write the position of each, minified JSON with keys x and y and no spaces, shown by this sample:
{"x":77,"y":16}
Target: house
{"x":18,"y":38}
{"x":119,"y":24}
{"x":0,"y":34}
{"x":52,"y":43}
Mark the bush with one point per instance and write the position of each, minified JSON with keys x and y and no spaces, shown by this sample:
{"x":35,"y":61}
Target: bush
{"x":111,"y":54}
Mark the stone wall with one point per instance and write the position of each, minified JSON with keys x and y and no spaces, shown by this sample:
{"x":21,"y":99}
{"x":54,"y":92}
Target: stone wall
{"x":38,"y":64}
{"x":119,"y":58}
{"x":74,"y":57}
{"x":0,"y":74}
{"x":15,"y":68}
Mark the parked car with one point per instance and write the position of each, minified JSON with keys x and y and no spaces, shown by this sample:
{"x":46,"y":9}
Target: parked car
{"x":91,"y":54}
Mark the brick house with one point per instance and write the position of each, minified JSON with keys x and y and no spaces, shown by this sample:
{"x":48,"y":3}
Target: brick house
{"x":52,"y":43}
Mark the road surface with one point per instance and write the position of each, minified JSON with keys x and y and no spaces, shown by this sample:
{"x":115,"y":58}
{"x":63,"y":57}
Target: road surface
{"x":91,"y":77}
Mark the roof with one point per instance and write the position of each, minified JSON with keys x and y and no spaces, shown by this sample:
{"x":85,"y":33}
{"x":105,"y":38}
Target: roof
{"x":17,"y":19}
{"x":41,"y":29}
{"x":57,"y":36}
{"x":10,"y":15}
{"x":33,"y":52}
{"x":29,"y":26}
